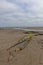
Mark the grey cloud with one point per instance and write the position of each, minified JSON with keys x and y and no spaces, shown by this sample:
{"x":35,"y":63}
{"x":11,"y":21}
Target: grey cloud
{"x":23,"y":15}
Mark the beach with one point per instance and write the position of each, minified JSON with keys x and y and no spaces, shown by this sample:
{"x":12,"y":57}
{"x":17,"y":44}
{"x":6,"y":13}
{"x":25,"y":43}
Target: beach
{"x":32,"y":54}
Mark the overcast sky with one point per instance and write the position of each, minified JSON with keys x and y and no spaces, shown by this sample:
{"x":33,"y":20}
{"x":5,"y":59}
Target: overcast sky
{"x":21,"y":13}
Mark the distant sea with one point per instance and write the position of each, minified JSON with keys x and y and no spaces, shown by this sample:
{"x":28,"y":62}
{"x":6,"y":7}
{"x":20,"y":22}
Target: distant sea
{"x":36,"y":29}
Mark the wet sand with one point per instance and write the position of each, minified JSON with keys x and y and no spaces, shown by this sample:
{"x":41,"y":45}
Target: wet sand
{"x":32,"y":54}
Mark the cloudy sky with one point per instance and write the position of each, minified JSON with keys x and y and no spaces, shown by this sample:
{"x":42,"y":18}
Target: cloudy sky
{"x":21,"y":13}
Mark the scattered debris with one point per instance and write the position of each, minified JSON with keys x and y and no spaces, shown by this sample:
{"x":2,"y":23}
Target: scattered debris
{"x":22,"y":43}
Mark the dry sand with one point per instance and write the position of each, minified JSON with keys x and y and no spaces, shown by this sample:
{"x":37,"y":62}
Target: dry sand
{"x":32,"y":54}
